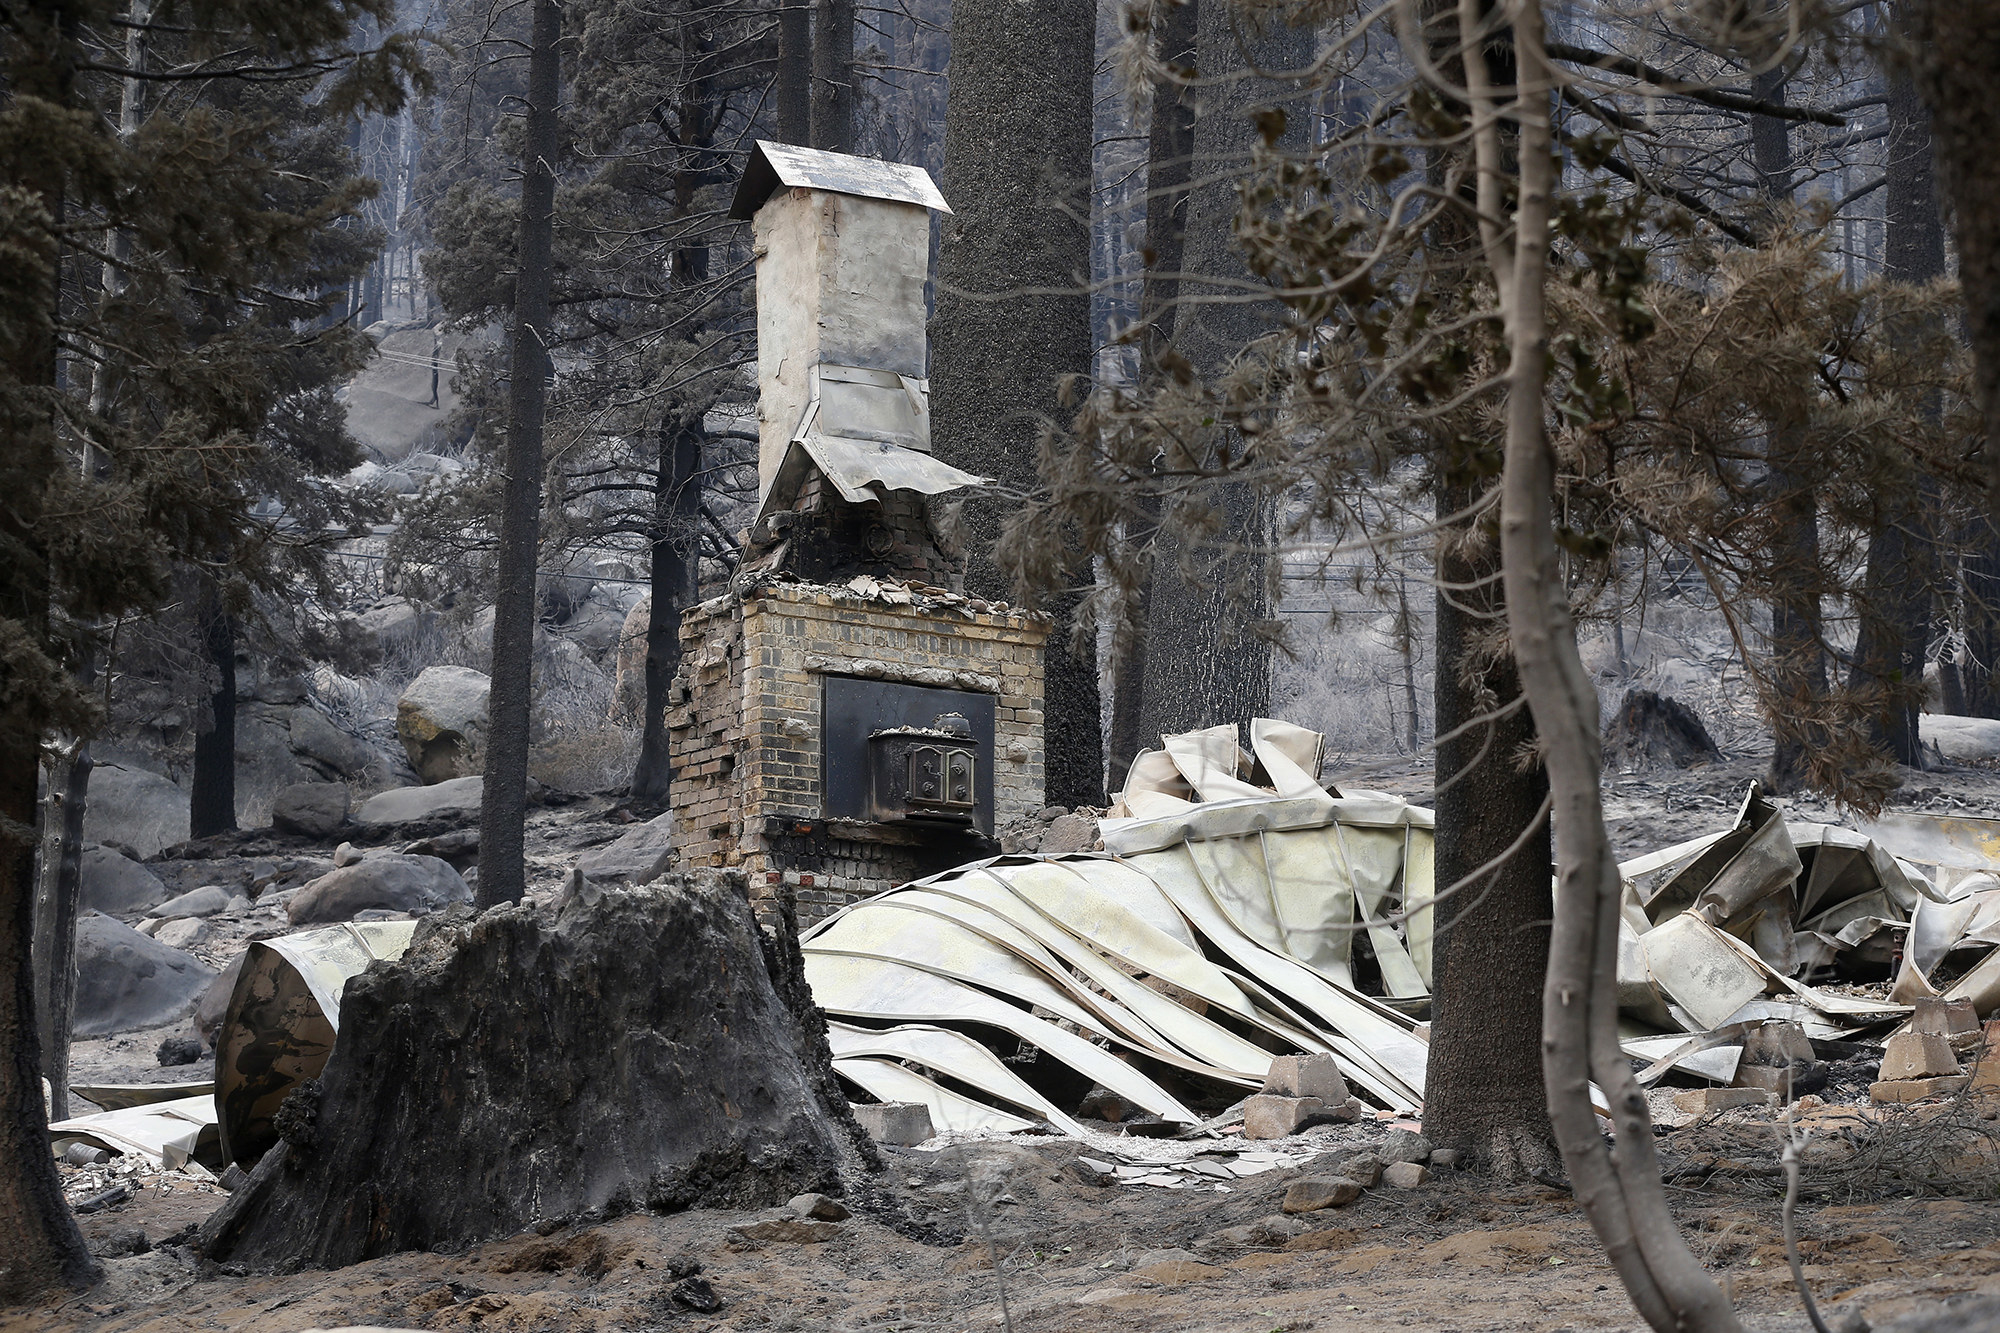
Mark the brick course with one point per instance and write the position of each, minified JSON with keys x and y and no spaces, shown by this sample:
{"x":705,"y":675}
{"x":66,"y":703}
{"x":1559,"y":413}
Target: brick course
{"x":745,"y":724}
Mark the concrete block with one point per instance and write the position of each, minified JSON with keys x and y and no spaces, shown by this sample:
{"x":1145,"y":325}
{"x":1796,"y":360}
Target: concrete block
{"x":1708,"y":1101}
{"x":1918,"y":1055}
{"x":1312,"y":1193}
{"x":1268,"y":1117}
{"x":903,"y":1124}
{"x":1779,"y":1082}
{"x":1777,"y":1044}
{"x":1306,"y":1076}
{"x":1946,"y":1018}
{"x":1405,"y":1175}
{"x":1903,"y":1090}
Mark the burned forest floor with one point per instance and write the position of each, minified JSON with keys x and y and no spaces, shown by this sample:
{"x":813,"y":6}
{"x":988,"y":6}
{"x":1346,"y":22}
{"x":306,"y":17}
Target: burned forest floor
{"x":1457,"y":1253}
{"x":1899,"y":1226}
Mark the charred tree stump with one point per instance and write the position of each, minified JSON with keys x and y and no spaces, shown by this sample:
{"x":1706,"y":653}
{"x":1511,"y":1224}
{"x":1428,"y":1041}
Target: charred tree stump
{"x":1651,"y":728}
{"x":634,"y":1048}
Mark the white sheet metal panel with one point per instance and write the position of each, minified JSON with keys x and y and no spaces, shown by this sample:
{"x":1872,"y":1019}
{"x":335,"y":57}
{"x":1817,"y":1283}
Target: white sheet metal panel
{"x":870,"y":988}
{"x":1692,"y":962}
{"x":951,"y":1112}
{"x":1064,"y":897}
{"x":947,"y":1052}
{"x":325,"y":959}
{"x":1382,"y":1032}
{"x":167,"y":1133}
{"x":1226,"y":1055}
{"x":894,"y":934}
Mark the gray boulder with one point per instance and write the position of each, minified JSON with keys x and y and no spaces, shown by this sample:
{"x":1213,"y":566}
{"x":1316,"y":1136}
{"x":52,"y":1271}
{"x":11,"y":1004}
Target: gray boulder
{"x":213,"y":1004}
{"x":125,"y":981}
{"x":402,"y":805}
{"x":311,"y":809}
{"x":391,"y":623}
{"x":204,"y":901}
{"x":323,"y":745}
{"x":183,"y":933}
{"x":441,"y":720}
{"x":394,"y":883}
{"x":640,"y":856}
{"x":137,"y":809}
{"x":117,"y":885}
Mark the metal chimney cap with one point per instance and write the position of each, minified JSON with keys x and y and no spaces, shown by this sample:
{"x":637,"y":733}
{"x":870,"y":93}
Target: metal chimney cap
{"x":773,"y":165}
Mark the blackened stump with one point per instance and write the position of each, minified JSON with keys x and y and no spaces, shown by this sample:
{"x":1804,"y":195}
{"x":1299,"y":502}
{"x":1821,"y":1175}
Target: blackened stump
{"x":632,"y":1050}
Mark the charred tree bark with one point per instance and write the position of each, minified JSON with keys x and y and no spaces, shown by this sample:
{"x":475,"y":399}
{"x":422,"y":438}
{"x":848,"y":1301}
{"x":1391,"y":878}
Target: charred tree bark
{"x":504,"y":799}
{"x":1899,"y":588}
{"x":1012,"y":330}
{"x":43,"y":1249}
{"x":1483,"y":1087}
{"x":833,"y":75}
{"x":55,"y":929}
{"x":1209,"y":656}
{"x":1979,"y":609}
{"x":1798,"y":639}
{"x":1490,"y":948}
{"x":676,"y":557}
{"x":791,"y":90}
{"x":1169,"y":155}
{"x":1622,"y":1192}
{"x":1955,"y":48}
{"x":648,"y":1051}
{"x":212,"y":789}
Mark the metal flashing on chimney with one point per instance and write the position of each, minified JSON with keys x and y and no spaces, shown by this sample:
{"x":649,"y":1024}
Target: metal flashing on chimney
{"x":773,"y":165}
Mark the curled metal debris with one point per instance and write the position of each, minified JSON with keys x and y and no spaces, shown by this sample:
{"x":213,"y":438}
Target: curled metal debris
{"x":1214,"y":932}
{"x":281,"y":1021}
{"x":1217,"y":929}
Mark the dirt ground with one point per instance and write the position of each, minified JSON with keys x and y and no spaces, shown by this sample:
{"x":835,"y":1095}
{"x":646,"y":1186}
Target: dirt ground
{"x":1457,"y":1254}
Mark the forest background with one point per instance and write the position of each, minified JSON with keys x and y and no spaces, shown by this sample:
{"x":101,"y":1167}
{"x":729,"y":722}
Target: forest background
{"x":1224,"y":306}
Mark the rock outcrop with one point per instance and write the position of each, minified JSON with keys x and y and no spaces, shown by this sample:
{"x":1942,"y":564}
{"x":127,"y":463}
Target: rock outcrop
{"x":115,"y":884}
{"x":140,"y":810}
{"x":457,"y":799}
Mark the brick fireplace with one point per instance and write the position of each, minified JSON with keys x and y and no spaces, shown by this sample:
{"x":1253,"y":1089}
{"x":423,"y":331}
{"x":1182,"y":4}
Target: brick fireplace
{"x":844,"y":721}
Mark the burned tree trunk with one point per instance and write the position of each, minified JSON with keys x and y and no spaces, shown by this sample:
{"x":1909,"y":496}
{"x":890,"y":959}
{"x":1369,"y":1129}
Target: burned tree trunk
{"x":1483,"y":1080}
{"x":1901,"y":579}
{"x":832,"y":103}
{"x":676,"y":560}
{"x":212,"y":794}
{"x":56,"y":913}
{"x":1210,"y":603}
{"x":503,"y":875}
{"x":1013,"y":314}
{"x":1169,"y":159}
{"x":642,"y":1048}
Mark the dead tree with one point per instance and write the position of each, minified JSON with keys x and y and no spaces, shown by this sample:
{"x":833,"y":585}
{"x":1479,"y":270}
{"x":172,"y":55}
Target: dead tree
{"x":1169,"y":159}
{"x":504,"y":802}
{"x":1622,"y":1193}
